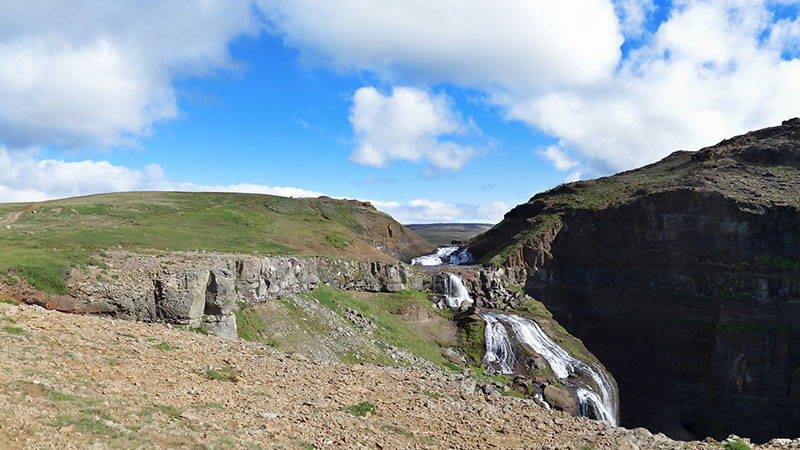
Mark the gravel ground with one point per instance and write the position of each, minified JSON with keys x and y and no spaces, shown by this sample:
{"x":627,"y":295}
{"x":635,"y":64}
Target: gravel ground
{"x":71,"y":381}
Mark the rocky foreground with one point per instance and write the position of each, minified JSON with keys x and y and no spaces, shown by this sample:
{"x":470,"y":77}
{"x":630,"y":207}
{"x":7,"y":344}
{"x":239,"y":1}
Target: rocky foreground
{"x":94,"y":382}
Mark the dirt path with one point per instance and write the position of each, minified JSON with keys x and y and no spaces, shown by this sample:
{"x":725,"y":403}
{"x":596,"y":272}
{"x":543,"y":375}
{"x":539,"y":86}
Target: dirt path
{"x":11,"y":218}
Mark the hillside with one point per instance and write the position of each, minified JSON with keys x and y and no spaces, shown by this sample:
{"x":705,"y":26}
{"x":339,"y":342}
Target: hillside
{"x":40,"y":241}
{"x":444,"y":234}
{"x":683,"y":277}
{"x":86,"y":381}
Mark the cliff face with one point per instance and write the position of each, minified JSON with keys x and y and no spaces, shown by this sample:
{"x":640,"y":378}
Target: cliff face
{"x":683,"y":277}
{"x":203,"y":290}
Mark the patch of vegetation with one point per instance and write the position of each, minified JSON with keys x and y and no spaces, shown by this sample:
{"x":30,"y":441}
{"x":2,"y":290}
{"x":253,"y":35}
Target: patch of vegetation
{"x":778,"y":263}
{"x":512,"y":393}
{"x":472,"y":339}
{"x":386,"y":310}
{"x":9,"y":301}
{"x":251,"y":327}
{"x":197,"y":330}
{"x":223,"y":374}
{"x":361,"y":409}
{"x":164,"y":345}
{"x":170,"y":411}
{"x":734,"y":443}
{"x":393,"y":429}
{"x":88,"y":425}
{"x":338,"y":240}
{"x":13,"y":330}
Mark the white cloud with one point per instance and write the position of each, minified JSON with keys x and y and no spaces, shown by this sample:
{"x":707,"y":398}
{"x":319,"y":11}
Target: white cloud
{"x":558,"y":156}
{"x":633,"y":14}
{"x":25,"y":178}
{"x":523,"y":46}
{"x":431,"y":211}
{"x":705,"y":75}
{"x":407,"y":125}
{"x":100,"y":73}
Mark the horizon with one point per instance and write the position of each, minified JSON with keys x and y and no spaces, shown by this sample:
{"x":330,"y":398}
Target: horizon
{"x":433,"y":114}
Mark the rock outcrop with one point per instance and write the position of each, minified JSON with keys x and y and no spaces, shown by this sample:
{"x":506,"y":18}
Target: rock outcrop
{"x":203,"y":290}
{"x":683,"y":277}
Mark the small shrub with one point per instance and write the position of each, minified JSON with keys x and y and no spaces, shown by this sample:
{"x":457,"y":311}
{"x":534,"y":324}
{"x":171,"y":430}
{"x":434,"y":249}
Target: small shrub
{"x":362,"y":409}
{"x":13,"y":330}
{"x":9,"y":301}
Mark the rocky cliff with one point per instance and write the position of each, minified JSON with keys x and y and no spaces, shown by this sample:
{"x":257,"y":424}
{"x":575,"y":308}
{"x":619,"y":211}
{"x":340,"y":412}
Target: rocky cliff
{"x":683,"y":277}
{"x":202,"y":290}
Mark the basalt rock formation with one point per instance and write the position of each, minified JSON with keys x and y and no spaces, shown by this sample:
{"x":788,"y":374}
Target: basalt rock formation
{"x":203,"y":290}
{"x":683,"y":277}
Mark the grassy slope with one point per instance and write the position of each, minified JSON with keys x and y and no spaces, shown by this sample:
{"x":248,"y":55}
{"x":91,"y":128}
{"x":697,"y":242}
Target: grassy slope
{"x":725,"y":168}
{"x":403,"y":320}
{"x":48,"y":237}
{"x":444,"y":233}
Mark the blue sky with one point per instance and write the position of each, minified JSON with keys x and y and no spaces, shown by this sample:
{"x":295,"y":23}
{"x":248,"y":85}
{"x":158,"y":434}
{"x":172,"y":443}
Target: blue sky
{"x":435,"y":111}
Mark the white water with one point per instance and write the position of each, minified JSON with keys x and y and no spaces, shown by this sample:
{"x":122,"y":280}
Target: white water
{"x":499,"y":352}
{"x":443,"y":255}
{"x":455,"y":293}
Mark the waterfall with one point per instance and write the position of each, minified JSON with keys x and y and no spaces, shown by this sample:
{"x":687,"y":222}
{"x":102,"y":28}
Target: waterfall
{"x":499,"y":354}
{"x":455,"y":293}
{"x":444,"y":255}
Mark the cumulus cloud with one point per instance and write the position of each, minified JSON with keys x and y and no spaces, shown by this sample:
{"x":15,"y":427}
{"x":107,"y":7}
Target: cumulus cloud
{"x":407,"y":125}
{"x":559,"y":157}
{"x":706,"y":74}
{"x":432,"y":211}
{"x":523,"y":46}
{"x":79,"y":73}
{"x":25,"y":178}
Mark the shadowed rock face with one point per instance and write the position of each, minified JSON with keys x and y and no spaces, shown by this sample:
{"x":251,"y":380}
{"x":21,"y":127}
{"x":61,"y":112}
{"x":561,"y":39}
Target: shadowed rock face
{"x":683,"y":278}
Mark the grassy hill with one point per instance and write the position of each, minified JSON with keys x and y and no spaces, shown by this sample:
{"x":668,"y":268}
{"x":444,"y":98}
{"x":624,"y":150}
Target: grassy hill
{"x":444,"y":233}
{"x":39,"y":241}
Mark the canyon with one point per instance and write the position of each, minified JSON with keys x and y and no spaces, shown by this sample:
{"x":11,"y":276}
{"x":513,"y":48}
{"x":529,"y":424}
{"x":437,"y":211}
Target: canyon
{"x":683,"y":277}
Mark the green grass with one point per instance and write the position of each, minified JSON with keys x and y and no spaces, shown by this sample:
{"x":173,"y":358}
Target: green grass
{"x":9,"y":301}
{"x":88,"y":425}
{"x":164,"y":345}
{"x":338,"y":240}
{"x":384,"y":310}
{"x":13,"y":330}
{"x":472,"y":339}
{"x":42,"y":247}
{"x":734,"y":444}
{"x":361,"y":409}
{"x":251,"y":327}
{"x":197,"y":330}
{"x":224,"y":374}
{"x":170,"y":411}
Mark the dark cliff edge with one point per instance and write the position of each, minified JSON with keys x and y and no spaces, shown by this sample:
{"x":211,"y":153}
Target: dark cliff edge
{"x":683,"y":277}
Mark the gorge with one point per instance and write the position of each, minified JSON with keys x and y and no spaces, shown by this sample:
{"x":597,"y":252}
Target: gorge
{"x":683,"y":277}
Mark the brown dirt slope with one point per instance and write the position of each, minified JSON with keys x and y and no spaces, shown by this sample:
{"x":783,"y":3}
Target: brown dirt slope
{"x":94,"y":382}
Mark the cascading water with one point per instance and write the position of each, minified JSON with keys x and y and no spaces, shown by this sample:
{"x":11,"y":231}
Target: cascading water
{"x":455,"y":293}
{"x":444,"y":255}
{"x":500,"y":354}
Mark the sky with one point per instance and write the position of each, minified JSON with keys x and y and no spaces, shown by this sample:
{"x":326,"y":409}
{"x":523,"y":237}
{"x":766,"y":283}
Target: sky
{"x":435,"y":111}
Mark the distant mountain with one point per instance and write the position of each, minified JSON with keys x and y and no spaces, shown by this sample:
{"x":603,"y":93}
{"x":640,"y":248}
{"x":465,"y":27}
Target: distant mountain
{"x":444,"y":233}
